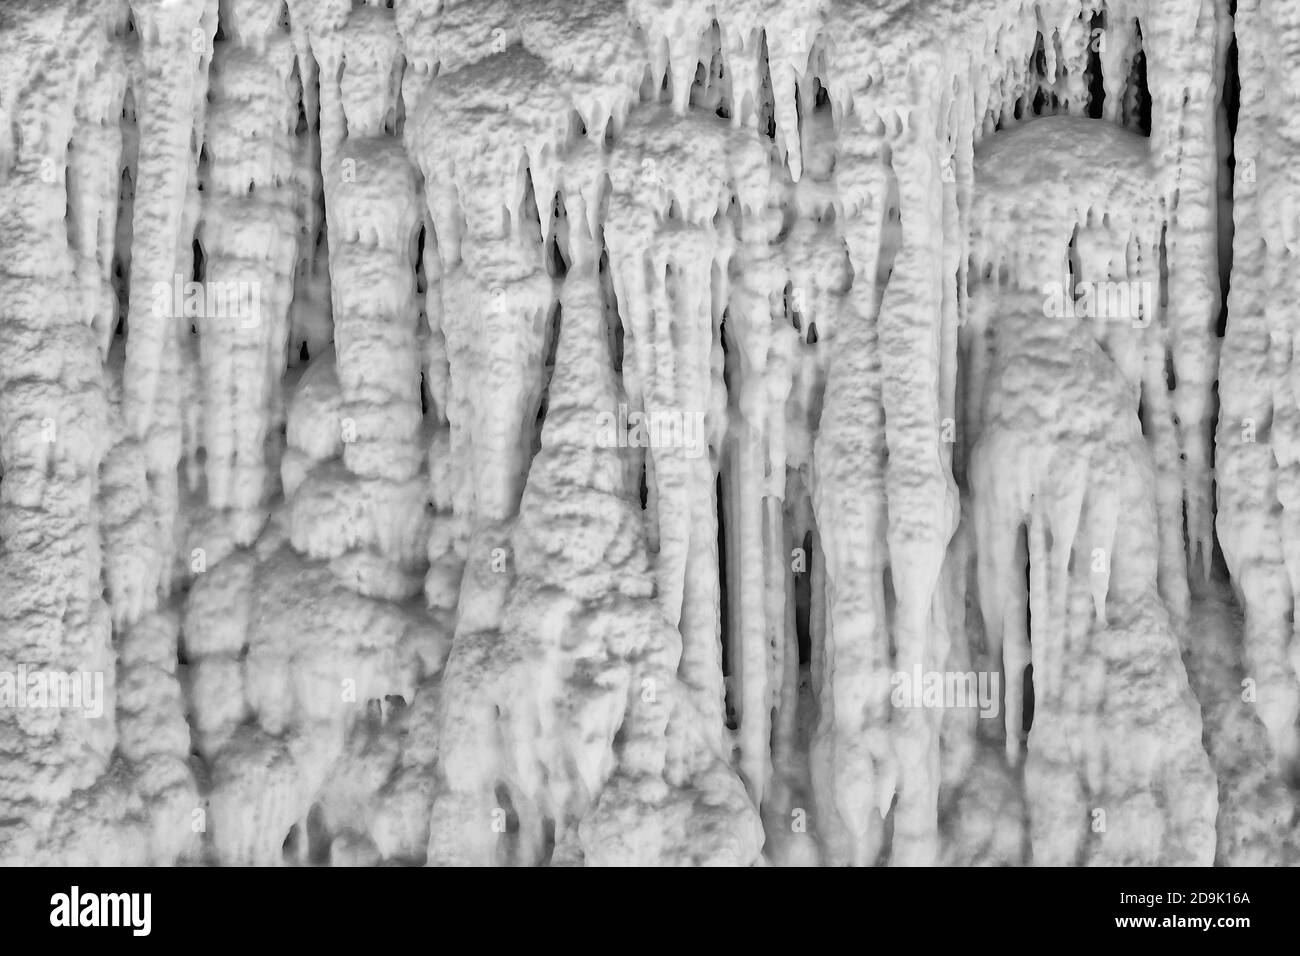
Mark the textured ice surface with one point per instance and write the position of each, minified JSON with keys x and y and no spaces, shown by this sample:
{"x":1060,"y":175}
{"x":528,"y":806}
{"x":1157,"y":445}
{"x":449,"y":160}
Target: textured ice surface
{"x":662,"y":432}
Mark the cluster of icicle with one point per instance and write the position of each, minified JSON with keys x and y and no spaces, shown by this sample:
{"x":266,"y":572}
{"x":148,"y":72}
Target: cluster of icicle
{"x":366,"y":584}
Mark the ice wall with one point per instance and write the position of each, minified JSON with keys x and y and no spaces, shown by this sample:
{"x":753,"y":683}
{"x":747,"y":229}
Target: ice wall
{"x":557,"y":432}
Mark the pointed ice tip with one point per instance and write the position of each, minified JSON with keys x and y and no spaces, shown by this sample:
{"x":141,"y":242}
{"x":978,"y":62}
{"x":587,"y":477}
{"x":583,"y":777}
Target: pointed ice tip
{"x":683,"y":73}
{"x":1205,"y":553}
{"x":1099,"y":610}
{"x":544,"y":190}
{"x":787,"y":121}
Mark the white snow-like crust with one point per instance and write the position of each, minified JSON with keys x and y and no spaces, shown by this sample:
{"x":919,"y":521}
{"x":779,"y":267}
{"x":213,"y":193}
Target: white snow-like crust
{"x":337,"y":516}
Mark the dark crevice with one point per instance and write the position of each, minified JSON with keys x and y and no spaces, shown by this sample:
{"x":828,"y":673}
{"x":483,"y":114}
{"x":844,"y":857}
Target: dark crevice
{"x":766,"y":107}
{"x":710,"y":91}
{"x":1027,"y":678}
{"x":613,"y":321}
{"x":1137,"y":96}
{"x":719,"y":79}
{"x":529,"y":215}
{"x":821,"y":96}
{"x":803,"y":602}
{"x":1227,"y":228}
{"x":1043,"y":100}
{"x":1096,"y":81}
{"x":289,"y":849}
{"x":199,"y":270}
{"x":508,"y":843}
{"x":396,"y":123}
{"x":557,"y":264}
{"x":577,"y":128}
{"x":798,"y":108}
{"x":318,"y":837}
{"x":417,"y":254}
{"x":724,"y":610}
{"x":553,"y":322}
{"x":301,"y":126}
{"x":1232,"y":86}
{"x":1073,"y":264}
{"x":124,"y":229}
{"x":727,"y":359}
{"x":1028,"y":690}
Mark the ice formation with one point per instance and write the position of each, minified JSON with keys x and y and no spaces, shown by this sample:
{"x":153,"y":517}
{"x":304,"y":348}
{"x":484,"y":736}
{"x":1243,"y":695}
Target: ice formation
{"x":314,"y":316}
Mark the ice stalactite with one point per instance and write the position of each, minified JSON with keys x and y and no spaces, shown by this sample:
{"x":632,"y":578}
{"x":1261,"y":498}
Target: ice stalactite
{"x":670,"y":244}
{"x":1061,"y":482}
{"x":249,"y":244}
{"x":94,"y":180}
{"x":666,"y":237}
{"x":369,"y":183}
{"x":173,"y":56}
{"x":495,"y":298}
{"x":918,"y":485}
{"x":1184,"y":122}
{"x":336,"y":560}
{"x":1255,"y":459}
{"x":854,"y":772}
{"x":1066,"y":479}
